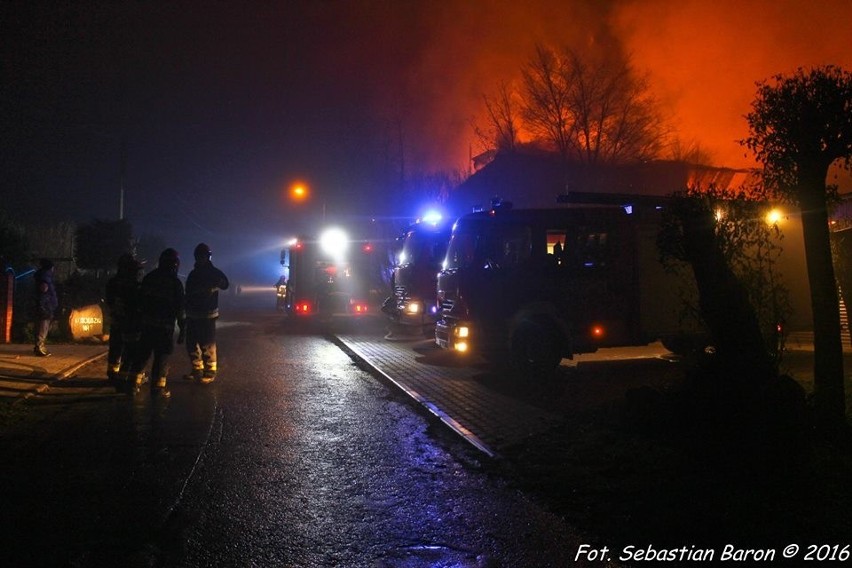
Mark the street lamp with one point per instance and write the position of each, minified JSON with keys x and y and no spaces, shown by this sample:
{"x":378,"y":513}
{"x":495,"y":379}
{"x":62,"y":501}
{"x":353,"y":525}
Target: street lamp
{"x":774,"y":216}
{"x":299,"y":192}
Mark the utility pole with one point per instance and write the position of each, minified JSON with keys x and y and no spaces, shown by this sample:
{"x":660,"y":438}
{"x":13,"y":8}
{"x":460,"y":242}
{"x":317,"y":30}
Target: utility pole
{"x":121,"y":175}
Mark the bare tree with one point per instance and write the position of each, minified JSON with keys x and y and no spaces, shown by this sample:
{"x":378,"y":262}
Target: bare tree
{"x":614,"y":115}
{"x":503,"y":120}
{"x":799,"y":126}
{"x":593,"y":108}
{"x":546,"y":110}
{"x":691,"y":152}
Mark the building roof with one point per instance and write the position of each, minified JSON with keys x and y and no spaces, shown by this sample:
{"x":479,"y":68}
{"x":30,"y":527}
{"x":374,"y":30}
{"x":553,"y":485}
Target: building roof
{"x":536,"y":179}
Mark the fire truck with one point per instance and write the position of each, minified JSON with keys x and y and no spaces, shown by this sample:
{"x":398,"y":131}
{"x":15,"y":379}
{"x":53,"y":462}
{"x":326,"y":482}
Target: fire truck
{"x":536,"y":285}
{"x":325,"y":277}
{"x":412,"y":303}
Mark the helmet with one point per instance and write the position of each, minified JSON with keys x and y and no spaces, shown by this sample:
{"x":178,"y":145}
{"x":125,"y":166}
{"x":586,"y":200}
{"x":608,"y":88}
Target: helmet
{"x":169,"y":259}
{"x":202,"y":252}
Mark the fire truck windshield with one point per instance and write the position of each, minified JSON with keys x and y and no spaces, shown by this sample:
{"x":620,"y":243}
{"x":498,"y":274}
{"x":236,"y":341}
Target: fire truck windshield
{"x":423,"y":247}
{"x":502,"y":244}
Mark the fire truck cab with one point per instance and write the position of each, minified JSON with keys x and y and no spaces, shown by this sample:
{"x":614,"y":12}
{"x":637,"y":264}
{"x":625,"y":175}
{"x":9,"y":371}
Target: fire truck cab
{"x":325,"y":277}
{"x":539,"y":285}
{"x":412,"y":303}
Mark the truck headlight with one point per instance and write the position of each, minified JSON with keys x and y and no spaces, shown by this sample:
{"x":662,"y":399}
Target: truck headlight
{"x":462,"y":331}
{"x":413,"y":308}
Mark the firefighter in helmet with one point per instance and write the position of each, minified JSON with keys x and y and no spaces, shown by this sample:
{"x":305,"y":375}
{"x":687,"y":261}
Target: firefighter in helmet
{"x":161,"y":298}
{"x":202,"y":311}
{"x":122,"y":300}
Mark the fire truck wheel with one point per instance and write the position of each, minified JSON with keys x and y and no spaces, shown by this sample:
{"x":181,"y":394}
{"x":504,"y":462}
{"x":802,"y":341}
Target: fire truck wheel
{"x":535,"y":349}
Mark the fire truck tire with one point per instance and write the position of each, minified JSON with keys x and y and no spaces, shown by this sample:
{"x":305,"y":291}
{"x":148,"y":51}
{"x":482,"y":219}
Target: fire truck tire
{"x":535,"y":348}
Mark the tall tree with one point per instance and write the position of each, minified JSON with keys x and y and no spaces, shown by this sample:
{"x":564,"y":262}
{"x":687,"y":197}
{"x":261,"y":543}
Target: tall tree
{"x":614,"y":114}
{"x":502,"y":118}
{"x":591,"y":107}
{"x":799,"y":126}
{"x":545,"y":108}
{"x":733,"y":253}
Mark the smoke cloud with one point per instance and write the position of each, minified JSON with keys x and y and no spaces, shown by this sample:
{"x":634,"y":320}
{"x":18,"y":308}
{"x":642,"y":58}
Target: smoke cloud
{"x":217,"y":99}
{"x":703,"y":60}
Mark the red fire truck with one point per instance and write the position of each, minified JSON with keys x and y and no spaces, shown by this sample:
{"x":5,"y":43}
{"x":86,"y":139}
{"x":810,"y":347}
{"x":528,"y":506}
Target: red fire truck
{"x":412,"y":303}
{"x":538,"y":285}
{"x":325,"y":277}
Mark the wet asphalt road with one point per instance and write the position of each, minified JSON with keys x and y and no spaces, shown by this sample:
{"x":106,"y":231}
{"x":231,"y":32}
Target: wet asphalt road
{"x":315,"y":463}
{"x":295,"y":457}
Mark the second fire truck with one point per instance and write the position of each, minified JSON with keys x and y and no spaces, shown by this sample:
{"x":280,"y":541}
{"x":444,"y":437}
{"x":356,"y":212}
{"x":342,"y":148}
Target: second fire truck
{"x":412,"y":304}
{"x":325,"y":277}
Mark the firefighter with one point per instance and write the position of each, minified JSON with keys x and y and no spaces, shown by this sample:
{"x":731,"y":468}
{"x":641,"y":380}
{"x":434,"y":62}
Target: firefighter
{"x":161,"y":299}
{"x":202,"y":311}
{"x":122,"y":300}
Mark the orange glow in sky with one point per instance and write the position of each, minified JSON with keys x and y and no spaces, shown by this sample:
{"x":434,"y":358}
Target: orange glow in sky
{"x":705,"y":57}
{"x":702,"y":58}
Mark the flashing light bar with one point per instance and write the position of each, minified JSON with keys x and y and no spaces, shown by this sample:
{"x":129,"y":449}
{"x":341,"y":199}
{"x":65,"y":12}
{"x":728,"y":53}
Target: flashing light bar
{"x":334,"y":241}
{"x":431,"y":217}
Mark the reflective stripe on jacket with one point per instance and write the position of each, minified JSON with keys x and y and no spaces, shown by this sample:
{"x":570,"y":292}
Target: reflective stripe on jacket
{"x":202,"y":291}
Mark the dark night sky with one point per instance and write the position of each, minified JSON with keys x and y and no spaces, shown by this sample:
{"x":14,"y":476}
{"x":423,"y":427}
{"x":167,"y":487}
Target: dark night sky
{"x":223,"y":104}
{"x":219,"y":106}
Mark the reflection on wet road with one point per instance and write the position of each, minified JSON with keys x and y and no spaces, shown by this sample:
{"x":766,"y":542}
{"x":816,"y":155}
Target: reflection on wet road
{"x":315,"y":463}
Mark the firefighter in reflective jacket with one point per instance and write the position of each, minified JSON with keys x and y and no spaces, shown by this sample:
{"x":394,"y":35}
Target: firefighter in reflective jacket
{"x":202,"y":311}
{"x":161,"y":298}
{"x":122,"y":300}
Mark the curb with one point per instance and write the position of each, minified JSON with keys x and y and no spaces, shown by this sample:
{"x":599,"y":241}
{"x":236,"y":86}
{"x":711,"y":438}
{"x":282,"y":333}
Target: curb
{"x":431,"y":410}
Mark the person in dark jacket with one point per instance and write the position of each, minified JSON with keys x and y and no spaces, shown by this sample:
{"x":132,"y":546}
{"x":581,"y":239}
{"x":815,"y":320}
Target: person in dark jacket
{"x":122,"y":301}
{"x":44,"y":305}
{"x":202,"y":311}
{"x":161,"y":300}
